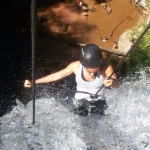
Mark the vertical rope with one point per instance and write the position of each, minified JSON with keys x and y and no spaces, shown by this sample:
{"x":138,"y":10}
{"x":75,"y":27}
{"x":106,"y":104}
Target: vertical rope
{"x":33,"y":40}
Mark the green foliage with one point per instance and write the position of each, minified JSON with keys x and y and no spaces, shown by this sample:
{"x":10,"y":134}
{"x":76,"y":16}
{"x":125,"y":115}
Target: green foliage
{"x":148,"y":4}
{"x":140,"y":57}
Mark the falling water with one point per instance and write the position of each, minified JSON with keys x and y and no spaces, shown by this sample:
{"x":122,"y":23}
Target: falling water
{"x":125,"y":125}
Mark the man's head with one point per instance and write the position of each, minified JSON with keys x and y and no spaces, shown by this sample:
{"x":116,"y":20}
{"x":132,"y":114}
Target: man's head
{"x":91,"y":56}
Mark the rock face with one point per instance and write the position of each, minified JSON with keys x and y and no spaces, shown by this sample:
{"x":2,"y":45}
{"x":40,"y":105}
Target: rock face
{"x":124,"y":44}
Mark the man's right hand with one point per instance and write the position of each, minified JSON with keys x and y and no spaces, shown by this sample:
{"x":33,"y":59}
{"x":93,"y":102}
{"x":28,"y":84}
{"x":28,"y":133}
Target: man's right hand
{"x":27,"y":84}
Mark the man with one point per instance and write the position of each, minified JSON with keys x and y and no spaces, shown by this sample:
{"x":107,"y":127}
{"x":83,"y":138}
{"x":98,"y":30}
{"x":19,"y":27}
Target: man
{"x":91,"y":73}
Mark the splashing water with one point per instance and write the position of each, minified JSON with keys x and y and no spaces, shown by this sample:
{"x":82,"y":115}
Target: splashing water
{"x":125,"y":125}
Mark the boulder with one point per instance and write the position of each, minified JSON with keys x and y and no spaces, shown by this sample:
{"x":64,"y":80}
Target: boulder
{"x":124,"y":43}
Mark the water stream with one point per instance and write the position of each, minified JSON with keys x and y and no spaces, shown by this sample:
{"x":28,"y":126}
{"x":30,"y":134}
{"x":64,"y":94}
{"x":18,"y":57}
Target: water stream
{"x":125,"y":125}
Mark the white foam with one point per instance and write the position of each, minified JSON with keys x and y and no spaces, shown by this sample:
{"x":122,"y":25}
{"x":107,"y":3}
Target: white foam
{"x":126,"y":124}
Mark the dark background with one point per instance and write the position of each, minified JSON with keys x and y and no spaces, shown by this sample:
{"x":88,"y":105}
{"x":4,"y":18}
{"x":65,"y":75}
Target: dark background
{"x":14,"y":36}
{"x":15,"y":47}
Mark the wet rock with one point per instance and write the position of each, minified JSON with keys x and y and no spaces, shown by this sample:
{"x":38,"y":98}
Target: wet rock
{"x":104,"y":39}
{"x":104,"y":5}
{"x":134,"y":1}
{"x":115,"y":46}
{"x":108,"y":10}
{"x":91,"y":8}
{"x":84,"y":14}
{"x":84,"y":8}
{"x":79,"y":3}
{"x":124,"y":44}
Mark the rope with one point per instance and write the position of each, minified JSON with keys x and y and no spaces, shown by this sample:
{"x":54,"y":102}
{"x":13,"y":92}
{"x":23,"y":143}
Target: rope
{"x":33,"y":39}
{"x":59,"y":89}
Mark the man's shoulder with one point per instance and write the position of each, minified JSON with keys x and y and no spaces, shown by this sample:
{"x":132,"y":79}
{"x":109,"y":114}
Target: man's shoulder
{"x":75,"y":64}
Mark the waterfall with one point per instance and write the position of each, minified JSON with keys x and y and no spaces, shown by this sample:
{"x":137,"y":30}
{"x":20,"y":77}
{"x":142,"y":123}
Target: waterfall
{"x":124,"y":126}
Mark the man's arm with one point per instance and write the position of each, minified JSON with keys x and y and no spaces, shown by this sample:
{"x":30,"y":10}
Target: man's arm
{"x":53,"y":77}
{"x":113,"y":81}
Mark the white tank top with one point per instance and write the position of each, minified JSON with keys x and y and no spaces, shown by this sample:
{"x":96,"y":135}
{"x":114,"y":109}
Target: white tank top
{"x":90,"y":87}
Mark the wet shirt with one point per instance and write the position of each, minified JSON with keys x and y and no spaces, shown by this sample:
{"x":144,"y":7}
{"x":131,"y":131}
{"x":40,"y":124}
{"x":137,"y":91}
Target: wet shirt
{"x":90,"y":87}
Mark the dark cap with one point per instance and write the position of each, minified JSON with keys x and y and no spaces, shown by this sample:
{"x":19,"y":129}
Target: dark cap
{"x":91,"y":56}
